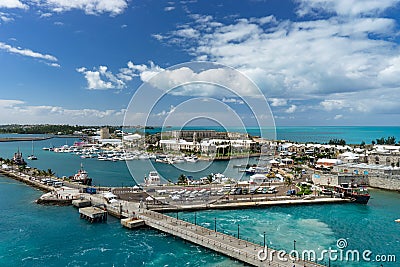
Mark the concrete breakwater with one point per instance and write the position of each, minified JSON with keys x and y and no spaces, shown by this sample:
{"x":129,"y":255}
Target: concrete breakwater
{"x":16,"y":139}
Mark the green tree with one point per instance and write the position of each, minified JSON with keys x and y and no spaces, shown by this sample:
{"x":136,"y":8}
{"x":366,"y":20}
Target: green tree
{"x":182,"y":179}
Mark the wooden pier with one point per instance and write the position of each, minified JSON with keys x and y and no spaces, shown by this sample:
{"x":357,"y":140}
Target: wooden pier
{"x":230,"y":246}
{"x":93,"y":214}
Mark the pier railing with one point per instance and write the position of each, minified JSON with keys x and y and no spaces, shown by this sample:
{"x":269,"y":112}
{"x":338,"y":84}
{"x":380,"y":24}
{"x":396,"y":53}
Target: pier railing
{"x":240,"y":249}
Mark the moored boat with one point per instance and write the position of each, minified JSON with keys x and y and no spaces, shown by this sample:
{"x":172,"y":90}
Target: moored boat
{"x":82,"y":177}
{"x":357,"y":194}
{"x":153,"y":179}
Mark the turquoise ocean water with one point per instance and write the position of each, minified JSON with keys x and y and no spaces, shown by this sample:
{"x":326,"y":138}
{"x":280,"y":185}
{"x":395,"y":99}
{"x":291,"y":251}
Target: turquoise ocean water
{"x":34,"y":235}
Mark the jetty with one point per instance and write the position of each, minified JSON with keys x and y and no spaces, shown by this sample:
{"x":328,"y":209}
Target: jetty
{"x":93,"y":214}
{"x":233,"y":247}
{"x":16,"y":139}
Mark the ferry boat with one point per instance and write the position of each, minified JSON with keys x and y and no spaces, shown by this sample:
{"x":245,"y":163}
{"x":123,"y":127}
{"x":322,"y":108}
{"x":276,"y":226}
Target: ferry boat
{"x":355,"y":193}
{"x":82,"y":177}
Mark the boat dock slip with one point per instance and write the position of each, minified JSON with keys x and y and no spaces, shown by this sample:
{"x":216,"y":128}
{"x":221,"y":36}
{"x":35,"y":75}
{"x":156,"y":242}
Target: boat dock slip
{"x":233,"y":247}
{"x":93,"y":214}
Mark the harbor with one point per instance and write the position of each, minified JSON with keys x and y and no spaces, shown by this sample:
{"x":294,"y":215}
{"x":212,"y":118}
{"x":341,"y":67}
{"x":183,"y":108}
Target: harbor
{"x":95,"y":206}
{"x":156,"y":204}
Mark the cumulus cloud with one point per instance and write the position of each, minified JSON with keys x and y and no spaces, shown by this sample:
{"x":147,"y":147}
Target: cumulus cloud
{"x":291,"y":109}
{"x":344,"y":7}
{"x":91,"y":7}
{"x":29,"y":53}
{"x":13,"y":4}
{"x":100,"y":78}
{"x":339,"y":61}
{"x":277,"y":102}
{"x":18,"y":111}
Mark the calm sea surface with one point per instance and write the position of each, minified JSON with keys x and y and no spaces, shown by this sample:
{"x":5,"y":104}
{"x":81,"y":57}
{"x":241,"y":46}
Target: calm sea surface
{"x":34,"y":235}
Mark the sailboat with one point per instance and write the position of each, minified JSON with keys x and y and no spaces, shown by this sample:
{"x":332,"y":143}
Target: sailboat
{"x":32,"y":157}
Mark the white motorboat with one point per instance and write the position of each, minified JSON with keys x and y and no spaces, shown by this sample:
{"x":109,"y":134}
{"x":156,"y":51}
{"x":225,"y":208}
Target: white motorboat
{"x":153,"y":179}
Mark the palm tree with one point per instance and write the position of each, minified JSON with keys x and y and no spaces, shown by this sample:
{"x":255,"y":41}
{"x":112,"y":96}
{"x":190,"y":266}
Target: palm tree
{"x":182,"y":179}
{"x":50,"y":172}
{"x":210,"y":178}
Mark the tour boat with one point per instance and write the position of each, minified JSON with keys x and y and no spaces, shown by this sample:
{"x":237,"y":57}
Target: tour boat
{"x":356,"y":194}
{"x":82,"y":177}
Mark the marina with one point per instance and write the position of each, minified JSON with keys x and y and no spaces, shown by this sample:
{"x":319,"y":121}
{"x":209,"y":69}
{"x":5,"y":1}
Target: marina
{"x":127,"y":200}
{"x":139,"y":215}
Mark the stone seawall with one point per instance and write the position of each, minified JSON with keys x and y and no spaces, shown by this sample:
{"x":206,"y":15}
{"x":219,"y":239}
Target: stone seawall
{"x":388,"y":182}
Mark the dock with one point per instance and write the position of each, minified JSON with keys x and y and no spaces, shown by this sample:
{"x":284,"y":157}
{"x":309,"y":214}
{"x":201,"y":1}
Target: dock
{"x":93,"y":214}
{"x":132,"y":223}
{"x":230,"y":246}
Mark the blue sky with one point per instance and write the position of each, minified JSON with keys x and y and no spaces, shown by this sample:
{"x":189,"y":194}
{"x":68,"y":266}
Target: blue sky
{"x":317,"y":62}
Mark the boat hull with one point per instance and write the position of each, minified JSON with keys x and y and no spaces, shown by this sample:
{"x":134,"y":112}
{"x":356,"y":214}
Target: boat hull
{"x":360,"y":199}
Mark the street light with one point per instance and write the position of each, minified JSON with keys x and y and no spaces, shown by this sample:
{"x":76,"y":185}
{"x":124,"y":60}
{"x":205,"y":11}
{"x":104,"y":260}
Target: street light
{"x":294,"y":248}
{"x":177,"y":215}
{"x":264,"y":239}
{"x":215,"y":224}
{"x":238,"y":236}
{"x":195,"y":219}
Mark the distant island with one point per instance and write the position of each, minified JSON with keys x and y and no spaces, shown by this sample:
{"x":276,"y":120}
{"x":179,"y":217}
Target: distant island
{"x":52,"y":129}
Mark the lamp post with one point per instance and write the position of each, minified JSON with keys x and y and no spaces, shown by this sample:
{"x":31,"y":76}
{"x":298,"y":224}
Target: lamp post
{"x":215,"y":224}
{"x":264,"y":239}
{"x":195,"y":219}
{"x":238,"y":234}
{"x":177,"y":215}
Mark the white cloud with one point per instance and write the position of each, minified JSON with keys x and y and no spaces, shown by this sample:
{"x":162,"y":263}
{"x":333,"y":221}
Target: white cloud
{"x":5,"y":17}
{"x":338,"y":117}
{"x":169,"y":8}
{"x":157,"y":36}
{"x":13,"y":4}
{"x":17,"y":111}
{"x":187,"y":33}
{"x":101,"y":79}
{"x":46,"y":15}
{"x":350,"y":52}
{"x":277,"y":102}
{"x":333,"y":104}
{"x":7,"y":103}
{"x":291,"y":109}
{"x":29,"y":53}
{"x":91,"y":7}
{"x":344,"y":7}
{"x":233,"y":100}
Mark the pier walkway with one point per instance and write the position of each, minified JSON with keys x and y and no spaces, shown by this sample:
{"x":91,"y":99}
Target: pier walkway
{"x":233,"y":247}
